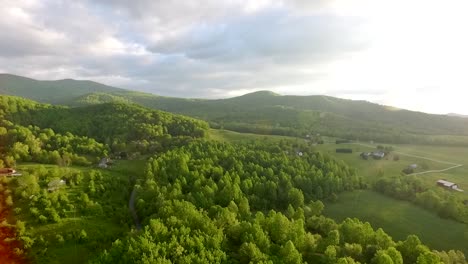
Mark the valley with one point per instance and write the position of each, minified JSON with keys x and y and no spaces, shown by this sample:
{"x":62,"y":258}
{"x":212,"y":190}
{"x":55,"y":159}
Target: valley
{"x":116,"y":178}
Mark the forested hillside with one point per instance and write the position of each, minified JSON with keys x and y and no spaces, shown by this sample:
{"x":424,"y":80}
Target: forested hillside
{"x":55,"y":92}
{"x":47,"y":212}
{"x":265,"y":112}
{"x":120,"y":126}
{"x":269,"y":113}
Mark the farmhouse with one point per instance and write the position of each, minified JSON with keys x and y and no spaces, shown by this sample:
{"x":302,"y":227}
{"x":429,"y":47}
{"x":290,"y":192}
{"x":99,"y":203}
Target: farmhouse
{"x":365,"y":155}
{"x":7,"y":171}
{"x":447,"y":184}
{"x":378,"y":154}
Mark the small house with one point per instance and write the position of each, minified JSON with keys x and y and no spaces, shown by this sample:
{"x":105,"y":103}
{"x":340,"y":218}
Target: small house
{"x":413,"y":166}
{"x":447,"y":184}
{"x":9,"y":172}
{"x":55,"y":185}
{"x":104,"y":163}
{"x":365,"y":155}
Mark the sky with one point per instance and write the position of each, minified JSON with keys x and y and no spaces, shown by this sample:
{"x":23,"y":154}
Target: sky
{"x":407,"y":54}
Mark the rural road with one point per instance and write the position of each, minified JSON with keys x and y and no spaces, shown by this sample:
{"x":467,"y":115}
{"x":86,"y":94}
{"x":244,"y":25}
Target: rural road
{"x":131,"y":205}
{"x":453,"y":165}
{"x":432,"y":171}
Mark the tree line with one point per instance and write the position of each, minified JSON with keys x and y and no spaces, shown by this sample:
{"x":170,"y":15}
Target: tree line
{"x":413,"y":189}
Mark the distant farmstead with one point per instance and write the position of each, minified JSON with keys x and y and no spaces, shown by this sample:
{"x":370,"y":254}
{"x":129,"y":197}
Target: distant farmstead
{"x":6,"y":171}
{"x":378,"y":154}
{"x":448,"y":185}
{"x":9,"y":172}
{"x":375,"y":155}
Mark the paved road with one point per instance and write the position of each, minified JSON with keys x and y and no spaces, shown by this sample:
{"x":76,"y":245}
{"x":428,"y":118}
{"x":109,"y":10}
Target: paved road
{"x":131,"y":205}
{"x":453,"y":165}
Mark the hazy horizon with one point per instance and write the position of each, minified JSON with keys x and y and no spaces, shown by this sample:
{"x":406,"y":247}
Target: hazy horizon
{"x":406,"y":55}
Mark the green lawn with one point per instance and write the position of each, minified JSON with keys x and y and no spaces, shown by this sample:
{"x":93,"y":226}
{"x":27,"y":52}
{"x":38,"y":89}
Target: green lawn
{"x":399,"y":219}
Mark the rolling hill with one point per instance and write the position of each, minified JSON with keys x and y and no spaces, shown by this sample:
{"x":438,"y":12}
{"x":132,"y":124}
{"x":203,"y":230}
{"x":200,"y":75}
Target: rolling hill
{"x":54,"y":92}
{"x":264,"y":112}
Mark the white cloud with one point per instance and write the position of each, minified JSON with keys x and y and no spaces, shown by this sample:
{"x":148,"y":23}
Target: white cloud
{"x":408,"y":54}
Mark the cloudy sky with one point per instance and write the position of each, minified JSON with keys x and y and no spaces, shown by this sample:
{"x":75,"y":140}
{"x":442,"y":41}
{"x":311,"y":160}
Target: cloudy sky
{"x":409,"y":54}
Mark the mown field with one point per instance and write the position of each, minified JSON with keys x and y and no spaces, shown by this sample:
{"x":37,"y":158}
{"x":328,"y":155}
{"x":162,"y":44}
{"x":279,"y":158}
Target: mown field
{"x":399,"y":219}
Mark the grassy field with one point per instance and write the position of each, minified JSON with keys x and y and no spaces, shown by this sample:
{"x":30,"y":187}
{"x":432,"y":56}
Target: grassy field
{"x":454,"y":154}
{"x":399,"y":219}
{"x":373,"y":169}
{"x":231,"y":136}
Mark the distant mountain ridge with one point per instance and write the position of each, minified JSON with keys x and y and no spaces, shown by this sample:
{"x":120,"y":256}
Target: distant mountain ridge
{"x":457,"y":115}
{"x":55,"y":92}
{"x":265,"y":112}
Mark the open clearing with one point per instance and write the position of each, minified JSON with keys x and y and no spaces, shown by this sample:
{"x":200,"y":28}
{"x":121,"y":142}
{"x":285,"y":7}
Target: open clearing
{"x":399,"y":219}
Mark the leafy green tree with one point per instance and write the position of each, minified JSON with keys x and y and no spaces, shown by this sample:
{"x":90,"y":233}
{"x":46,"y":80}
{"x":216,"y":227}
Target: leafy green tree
{"x":289,"y":254}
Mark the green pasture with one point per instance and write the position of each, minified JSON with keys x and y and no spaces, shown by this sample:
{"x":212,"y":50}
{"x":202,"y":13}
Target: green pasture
{"x":399,"y":219}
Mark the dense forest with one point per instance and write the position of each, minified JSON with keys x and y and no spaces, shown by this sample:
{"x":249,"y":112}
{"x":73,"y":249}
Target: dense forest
{"x":268,"y":113}
{"x":51,"y":134}
{"x":51,"y":92}
{"x":256,"y":203}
